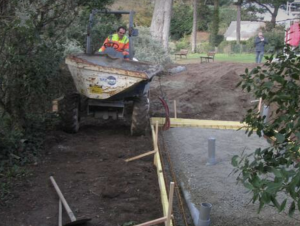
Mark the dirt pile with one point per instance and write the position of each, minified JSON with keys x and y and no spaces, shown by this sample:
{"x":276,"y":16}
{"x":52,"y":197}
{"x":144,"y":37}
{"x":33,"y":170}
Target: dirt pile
{"x":204,"y":91}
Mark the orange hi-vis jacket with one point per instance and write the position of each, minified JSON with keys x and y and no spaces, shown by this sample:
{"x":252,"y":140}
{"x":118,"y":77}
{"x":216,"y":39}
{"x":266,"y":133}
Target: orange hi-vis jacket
{"x":123,"y":44}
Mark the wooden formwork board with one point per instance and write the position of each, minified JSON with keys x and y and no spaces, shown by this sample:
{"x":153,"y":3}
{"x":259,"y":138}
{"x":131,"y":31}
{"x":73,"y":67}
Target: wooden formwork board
{"x":177,"y":122}
{"x":214,"y":124}
{"x":160,"y":175}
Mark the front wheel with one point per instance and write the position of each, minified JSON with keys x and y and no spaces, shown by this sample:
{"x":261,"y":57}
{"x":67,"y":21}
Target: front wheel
{"x":140,"y":116}
{"x":69,"y":113}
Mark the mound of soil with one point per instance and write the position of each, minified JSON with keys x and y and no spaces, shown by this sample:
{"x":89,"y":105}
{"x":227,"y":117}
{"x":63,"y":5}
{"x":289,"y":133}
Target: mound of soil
{"x":203,"y":91}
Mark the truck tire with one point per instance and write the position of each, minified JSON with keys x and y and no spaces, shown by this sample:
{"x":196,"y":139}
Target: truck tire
{"x":140,"y":116}
{"x":69,"y":113}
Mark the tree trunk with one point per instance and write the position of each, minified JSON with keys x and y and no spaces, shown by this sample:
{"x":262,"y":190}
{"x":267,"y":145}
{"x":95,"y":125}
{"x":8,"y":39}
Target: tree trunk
{"x":194,"y":33}
{"x":238,"y":23}
{"x":274,"y":15}
{"x":215,"y":25}
{"x":160,"y":25}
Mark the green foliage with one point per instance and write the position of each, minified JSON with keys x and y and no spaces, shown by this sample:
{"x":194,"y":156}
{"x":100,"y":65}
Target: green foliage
{"x":129,"y":223}
{"x":214,"y":29}
{"x":22,"y":146}
{"x":148,"y":49}
{"x":276,"y":169}
{"x":225,"y":2}
{"x":232,"y":47}
{"x":204,"y":47}
{"x":183,"y":43}
{"x":275,"y":39}
{"x":9,"y":140}
{"x":204,"y":17}
{"x":181,"y":21}
{"x":102,"y":26}
{"x":143,"y":11}
{"x":35,"y":38}
{"x":7,"y":175}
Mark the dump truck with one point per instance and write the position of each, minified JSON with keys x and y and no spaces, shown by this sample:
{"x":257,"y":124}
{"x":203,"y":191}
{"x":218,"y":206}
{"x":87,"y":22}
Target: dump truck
{"x":108,"y":87}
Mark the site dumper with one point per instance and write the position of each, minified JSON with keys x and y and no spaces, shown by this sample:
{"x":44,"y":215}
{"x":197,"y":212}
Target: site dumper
{"x":108,"y":86}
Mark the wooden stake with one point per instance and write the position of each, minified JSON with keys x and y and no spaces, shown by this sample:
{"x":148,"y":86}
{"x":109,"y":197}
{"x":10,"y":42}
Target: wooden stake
{"x":55,"y":104}
{"x":153,"y":222}
{"x":166,"y":219}
{"x":156,"y":136}
{"x":140,"y":156}
{"x":259,"y":104}
{"x":171,"y":194}
{"x":153,"y":136}
{"x":175,"y":109}
{"x":59,"y":213}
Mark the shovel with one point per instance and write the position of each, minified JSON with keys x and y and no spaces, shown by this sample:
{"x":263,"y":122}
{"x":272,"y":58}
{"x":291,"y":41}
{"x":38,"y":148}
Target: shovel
{"x":72,"y":217}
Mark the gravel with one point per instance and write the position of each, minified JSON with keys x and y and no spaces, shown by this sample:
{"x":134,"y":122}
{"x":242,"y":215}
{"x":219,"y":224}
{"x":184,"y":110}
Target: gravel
{"x":188,"y":150}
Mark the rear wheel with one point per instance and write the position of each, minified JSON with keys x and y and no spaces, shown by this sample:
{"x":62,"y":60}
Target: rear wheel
{"x":69,"y":113}
{"x":140,"y":116}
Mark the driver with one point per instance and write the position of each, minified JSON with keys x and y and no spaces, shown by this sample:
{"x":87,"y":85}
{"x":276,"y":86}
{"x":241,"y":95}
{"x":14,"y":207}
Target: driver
{"x":119,"y":41}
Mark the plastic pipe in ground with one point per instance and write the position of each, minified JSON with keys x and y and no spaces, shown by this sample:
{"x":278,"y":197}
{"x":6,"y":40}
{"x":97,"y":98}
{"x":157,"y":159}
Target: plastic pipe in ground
{"x":204,"y":217}
{"x":265,"y":113}
{"x":193,"y":209}
{"x":211,"y":151}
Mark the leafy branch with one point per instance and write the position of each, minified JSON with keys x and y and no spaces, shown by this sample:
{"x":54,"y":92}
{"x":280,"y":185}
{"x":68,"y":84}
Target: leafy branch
{"x":268,"y":173}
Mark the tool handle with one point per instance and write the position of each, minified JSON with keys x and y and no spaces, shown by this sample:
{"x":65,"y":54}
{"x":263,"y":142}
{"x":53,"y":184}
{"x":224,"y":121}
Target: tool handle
{"x":64,"y":202}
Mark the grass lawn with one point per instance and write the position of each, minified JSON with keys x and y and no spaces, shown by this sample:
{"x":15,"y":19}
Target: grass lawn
{"x":219,"y":57}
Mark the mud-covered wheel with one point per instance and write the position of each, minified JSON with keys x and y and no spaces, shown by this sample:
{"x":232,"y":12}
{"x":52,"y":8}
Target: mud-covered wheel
{"x":140,"y":116}
{"x":69,"y":112}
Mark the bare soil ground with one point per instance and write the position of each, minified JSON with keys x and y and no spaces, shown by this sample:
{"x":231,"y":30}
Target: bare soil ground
{"x":204,"y":91}
{"x":97,"y":183}
{"x":89,"y":166}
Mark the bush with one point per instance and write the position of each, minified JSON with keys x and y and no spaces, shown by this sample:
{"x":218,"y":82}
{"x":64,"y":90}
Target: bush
{"x":275,"y":39}
{"x":217,"y":40}
{"x":34,"y":40}
{"x":203,"y":47}
{"x":232,"y":47}
{"x":181,"y":21}
{"x":103,"y":25}
{"x":183,"y":43}
{"x":148,"y":49}
{"x":272,"y":174}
